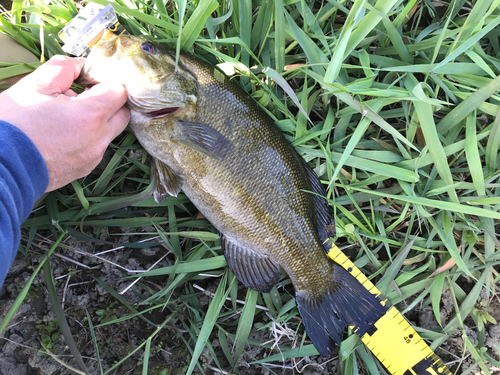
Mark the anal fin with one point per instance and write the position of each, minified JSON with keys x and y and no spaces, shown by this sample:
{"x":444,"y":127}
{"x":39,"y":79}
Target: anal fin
{"x":254,"y":270}
{"x":168,"y":183}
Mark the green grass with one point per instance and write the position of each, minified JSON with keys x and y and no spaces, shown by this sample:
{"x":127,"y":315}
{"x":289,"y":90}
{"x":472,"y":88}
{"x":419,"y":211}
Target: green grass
{"x":403,"y":101}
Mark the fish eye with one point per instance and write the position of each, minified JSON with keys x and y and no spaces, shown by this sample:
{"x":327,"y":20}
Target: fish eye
{"x":148,"y":48}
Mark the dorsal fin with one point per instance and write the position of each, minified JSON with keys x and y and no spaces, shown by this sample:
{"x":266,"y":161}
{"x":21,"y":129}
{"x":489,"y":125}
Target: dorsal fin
{"x":254,"y":270}
{"x":325,"y":223}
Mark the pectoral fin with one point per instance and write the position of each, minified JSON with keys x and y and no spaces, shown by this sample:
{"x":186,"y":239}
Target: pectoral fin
{"x":168,"y":183}
{"x":201,"y":138}
{"x":254,"y":270}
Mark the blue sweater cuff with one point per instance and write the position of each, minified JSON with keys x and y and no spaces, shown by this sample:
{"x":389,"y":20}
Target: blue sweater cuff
{"x":24,"y":177}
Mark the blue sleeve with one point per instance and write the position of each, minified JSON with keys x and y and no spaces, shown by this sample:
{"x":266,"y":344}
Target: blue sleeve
{"x":23,"y":179}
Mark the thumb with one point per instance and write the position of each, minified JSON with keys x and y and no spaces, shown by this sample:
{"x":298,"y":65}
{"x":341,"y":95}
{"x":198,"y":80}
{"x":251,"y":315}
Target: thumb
{"x":107,"y":101}
{"x":55,"y":76}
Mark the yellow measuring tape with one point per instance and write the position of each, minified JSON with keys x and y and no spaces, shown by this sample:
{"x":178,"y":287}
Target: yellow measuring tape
{"x":393,"y":340}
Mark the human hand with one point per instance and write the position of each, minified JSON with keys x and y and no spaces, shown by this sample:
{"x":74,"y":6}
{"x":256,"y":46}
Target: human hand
{"x":71,"y":131}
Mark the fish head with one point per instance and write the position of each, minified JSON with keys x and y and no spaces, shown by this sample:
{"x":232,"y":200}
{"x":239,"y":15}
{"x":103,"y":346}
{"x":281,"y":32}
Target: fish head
{"x":156,"y":86}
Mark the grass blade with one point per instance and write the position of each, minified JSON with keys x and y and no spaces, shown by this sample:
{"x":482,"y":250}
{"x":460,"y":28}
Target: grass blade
{"x":279,"y":32}
{"x":368,"y":23}
{"x":461,"y":111}
{"x":245,"y":323}
{"x":443,"y":205}
{"x":94,"y":341}
{"x":436,"y":150}
{"x":202,"y":265}
{"x":312,"y":51}
{"x":22,"y":294}
{"x":61,"y":318}
{"x":472,"y":153}
{"x":209,"y":322}
{"x":492,"y":147}
{"x":196,"y":23}
{"x":147,"y":353}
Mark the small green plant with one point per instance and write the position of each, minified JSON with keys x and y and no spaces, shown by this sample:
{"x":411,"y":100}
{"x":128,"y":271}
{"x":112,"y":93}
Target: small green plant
{"x":107,"y":315}
{"x":482,"y":314}
{"x":49,"y":333}
{"x":159,"y":371}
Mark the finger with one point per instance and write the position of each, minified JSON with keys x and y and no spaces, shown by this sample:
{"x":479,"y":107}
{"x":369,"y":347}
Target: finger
{"x":70,"y":93}
{"x":55,"y":76}
{"x":106,"y":98}
{"x":118,"y":122}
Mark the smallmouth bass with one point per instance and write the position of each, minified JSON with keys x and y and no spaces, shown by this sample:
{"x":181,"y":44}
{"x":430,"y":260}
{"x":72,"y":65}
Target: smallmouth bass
{"x":209,"y":138}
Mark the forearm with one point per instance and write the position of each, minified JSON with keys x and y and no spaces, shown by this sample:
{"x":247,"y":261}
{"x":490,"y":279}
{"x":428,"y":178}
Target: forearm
{"x":23,"y":179}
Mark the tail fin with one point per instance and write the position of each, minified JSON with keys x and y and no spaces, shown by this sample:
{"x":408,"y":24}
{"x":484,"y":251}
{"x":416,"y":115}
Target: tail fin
{"x":347,"y":304}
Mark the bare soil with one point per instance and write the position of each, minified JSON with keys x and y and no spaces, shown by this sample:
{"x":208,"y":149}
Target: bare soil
{"x":7,"y":4}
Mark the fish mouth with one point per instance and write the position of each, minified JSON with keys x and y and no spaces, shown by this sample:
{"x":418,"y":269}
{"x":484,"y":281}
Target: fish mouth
{"x":164,"y":112}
